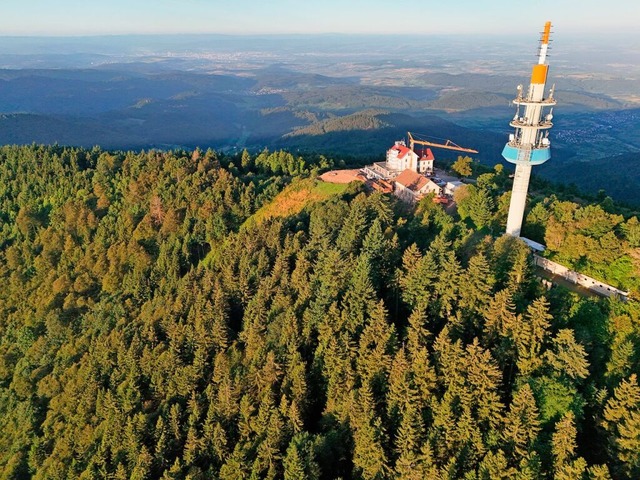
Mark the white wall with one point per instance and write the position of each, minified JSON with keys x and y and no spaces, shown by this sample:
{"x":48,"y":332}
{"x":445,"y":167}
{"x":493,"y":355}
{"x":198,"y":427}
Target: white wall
{"x":572,"y":276}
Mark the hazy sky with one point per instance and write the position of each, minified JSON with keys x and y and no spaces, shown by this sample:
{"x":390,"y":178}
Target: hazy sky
{"x":93,"y":17}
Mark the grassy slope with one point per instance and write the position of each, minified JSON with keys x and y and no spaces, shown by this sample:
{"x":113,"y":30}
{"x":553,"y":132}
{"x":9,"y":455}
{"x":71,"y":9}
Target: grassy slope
{"x":294,"y":199}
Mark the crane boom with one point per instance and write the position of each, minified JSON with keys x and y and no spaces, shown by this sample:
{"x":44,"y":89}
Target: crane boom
{"x":449,"y":145}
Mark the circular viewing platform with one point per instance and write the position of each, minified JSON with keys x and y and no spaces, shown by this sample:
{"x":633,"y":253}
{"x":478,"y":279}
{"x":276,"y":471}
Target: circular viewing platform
{"x":545,"y":102}
{"x":514,"y":152}
{"x":539,"y":126}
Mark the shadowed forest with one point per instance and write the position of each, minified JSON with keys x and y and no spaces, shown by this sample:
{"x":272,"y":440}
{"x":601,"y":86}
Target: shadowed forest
{"x":186,"y":315}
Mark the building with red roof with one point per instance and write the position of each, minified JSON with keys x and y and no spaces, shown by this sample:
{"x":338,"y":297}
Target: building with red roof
{"x":411,"y":186}
{"x":400,"y":158}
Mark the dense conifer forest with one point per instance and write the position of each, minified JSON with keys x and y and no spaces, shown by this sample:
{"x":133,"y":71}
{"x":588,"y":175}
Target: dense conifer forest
{"x":155,"y":322}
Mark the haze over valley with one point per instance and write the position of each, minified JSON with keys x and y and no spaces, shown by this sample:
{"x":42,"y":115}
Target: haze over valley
{"x":342,"y":94}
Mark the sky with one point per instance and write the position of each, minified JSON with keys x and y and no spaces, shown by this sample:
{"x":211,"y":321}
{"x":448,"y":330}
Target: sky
{"x":100,"y":17}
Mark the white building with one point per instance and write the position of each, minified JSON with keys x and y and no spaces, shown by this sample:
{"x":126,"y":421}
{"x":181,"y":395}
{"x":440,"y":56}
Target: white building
{"x":452,"y":186}
{"x":410,"y":186}
{"x":400,"y":158}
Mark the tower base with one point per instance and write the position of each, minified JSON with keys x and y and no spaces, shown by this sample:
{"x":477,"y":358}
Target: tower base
{"x":518,"y":199}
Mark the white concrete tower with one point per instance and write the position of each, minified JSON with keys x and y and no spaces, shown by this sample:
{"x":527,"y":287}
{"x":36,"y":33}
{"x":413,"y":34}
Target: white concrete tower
{"x":529,"y":145}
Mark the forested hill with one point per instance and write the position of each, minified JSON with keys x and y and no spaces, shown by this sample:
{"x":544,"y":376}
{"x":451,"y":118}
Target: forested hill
{"x":153,"y":326}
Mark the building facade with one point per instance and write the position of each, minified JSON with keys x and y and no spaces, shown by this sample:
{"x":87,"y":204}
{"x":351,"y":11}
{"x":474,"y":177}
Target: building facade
{"x":410,"y":186}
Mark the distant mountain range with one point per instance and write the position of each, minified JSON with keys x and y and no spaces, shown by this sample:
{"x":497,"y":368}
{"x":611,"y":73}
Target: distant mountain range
{"x":160,"y":103}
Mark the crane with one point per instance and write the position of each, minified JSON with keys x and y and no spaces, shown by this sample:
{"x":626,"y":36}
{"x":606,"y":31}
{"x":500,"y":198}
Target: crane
{"x":449,"y":145}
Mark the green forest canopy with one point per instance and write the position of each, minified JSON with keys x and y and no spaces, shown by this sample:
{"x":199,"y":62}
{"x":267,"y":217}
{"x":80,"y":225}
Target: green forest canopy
{"x":145,"y":334}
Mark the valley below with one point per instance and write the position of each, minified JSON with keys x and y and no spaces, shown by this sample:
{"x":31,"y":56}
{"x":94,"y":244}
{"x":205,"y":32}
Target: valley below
{"x":349,"y":96}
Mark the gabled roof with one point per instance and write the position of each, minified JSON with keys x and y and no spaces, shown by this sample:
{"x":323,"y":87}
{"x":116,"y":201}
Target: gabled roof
{"x":427,"y":155}
{"x":412,"y":180}
{"x":401,"y":149}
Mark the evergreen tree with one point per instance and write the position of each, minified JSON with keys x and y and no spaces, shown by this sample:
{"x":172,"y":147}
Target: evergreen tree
{"x":408,"y":444}
{"x":522,"y":424}
{"x":476,"y":289}
{"x":563,"y":445}
{"x":299,"y":463}
{"x":621,"y":421}
{"x":495,"y":466}
{"x":531,"y":335}
{"x":567,"y":356}
{"x":359,"y":299}
{"x":351,"y":235}
{"x":369,"y":457}
{"x":417,"y":276}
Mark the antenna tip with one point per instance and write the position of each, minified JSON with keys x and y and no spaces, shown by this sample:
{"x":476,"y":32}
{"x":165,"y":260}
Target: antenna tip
{"x":546,"y":33}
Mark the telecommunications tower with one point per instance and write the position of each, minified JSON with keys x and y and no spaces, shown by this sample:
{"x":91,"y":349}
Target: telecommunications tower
{"x":529,"y":145}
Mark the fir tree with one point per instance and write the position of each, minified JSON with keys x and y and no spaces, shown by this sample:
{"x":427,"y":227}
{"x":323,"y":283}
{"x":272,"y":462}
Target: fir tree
{"x":621,"y":421}
{"x":522,"y":423}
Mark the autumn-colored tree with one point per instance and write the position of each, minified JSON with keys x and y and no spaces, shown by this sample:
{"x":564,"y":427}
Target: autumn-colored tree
{"x":462,"y":166}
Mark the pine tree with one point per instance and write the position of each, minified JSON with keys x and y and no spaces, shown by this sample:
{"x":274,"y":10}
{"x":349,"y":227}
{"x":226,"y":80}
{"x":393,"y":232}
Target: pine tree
{"x":563,"y":447}
{"x":500,"y":317}
{"x":530,"y":468}
{"x":236,"y":466}
{"x":622,"y":423}
{"x":339,"y":373}
{"x":369,"y":457}
{"x":192,"y":447}
{"x":483,"y":380}
{"x":564,"y":440}
{"x":400,"y":389}
{"x":447,"y":284}
{"x":176,"y":471}
{"x":522,"y":423}
{"x":520,"y":267}
{"x":475,"y":290}
{"x":142,"y":467}
{"x":494,"y":466}
{"x":295,"y":382}
{"x":424,"y":375}
{"x":510,"y":258}
{"x":567,"y":356}
{"x":501,"y":325}
{"x":121,"y":472}
{"x":417,"y":332}
{"x":379,"y":250}
{"x":359,"y":299}
{"x":417,"y":277}
{"x":408,"y":443}
{"x":351,"y":235}
{"x":599,"y":472}
{"x":531,"y":336}
{"x":299,"y":463}
{"x":380,"y":205}
{"x":468,"y":415}
{"x":376,"y":347}
{"x":293,"y":464}
{"x":246,"y":161}
{"x":161,"y":453}
{"x":220,"y":333}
